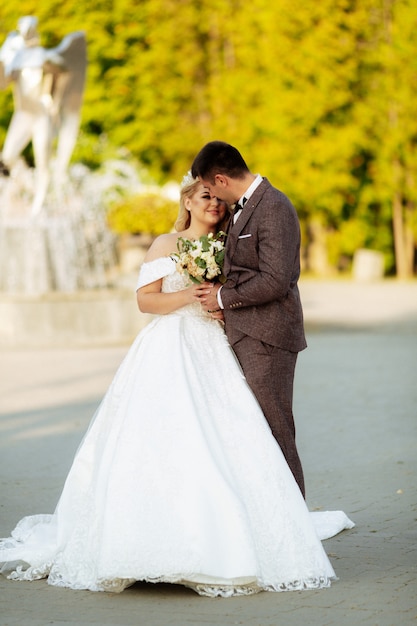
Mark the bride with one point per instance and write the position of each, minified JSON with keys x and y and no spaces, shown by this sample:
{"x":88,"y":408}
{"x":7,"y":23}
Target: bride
{"x":178,"y":478}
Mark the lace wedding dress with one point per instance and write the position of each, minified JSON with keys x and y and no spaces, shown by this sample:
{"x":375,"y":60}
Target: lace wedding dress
{"x":178,"y":479}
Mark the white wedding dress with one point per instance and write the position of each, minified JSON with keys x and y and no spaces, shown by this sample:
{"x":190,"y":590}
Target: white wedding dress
{"x":178,"y":479}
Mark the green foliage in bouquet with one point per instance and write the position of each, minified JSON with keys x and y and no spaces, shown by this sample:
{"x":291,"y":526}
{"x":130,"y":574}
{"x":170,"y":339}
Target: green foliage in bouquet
{"x":148,"y":213}
{"x":201,"y":259}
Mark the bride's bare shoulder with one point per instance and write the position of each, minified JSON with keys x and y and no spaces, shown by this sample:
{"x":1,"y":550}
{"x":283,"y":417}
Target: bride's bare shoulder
{"x":164,"y":245}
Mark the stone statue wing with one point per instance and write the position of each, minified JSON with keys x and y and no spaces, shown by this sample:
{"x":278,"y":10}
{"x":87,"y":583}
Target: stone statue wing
{"x":72,"y":55}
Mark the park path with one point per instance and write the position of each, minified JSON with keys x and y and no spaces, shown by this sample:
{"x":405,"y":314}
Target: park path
{"x":356,"y":414}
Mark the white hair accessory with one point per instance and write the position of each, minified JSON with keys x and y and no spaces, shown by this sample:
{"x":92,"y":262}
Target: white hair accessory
{"x":188,"y":179}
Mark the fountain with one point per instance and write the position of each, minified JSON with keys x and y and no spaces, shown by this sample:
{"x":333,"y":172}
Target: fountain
{"x":55,"y":248}
{"x":65,"y":247}
{"x":52,"y":236}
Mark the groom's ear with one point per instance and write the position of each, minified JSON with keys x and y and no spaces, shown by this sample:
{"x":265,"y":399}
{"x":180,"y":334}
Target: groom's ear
{"x":221,"y":180}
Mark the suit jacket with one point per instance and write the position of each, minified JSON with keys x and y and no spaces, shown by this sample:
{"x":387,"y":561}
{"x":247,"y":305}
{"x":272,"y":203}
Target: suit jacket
{"x":262,"y":266}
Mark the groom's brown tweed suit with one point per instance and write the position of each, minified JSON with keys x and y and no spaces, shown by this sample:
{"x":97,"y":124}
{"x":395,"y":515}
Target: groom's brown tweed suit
{"x":262,"y":308}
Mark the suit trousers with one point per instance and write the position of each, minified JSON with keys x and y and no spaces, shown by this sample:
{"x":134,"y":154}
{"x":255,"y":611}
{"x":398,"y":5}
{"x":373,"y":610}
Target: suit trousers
{"x":269,"y":371}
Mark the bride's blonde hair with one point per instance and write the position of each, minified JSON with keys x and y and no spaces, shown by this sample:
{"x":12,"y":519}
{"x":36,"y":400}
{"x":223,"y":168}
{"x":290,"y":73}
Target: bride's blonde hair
{"x":187,"y":190}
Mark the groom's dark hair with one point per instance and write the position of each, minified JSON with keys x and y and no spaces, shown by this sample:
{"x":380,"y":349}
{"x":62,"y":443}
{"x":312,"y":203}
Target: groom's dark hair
{"x":218,"y":157}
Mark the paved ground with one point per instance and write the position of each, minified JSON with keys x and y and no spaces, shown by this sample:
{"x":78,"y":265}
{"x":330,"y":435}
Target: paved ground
{"x":355,"y":401}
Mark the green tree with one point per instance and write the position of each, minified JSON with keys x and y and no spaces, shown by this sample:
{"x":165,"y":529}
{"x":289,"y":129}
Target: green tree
{"x":387,"y":116}
{"x":319,"y":97}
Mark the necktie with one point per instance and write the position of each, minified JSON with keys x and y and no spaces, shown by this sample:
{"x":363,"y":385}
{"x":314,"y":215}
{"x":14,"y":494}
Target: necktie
{"x":239,"y":207}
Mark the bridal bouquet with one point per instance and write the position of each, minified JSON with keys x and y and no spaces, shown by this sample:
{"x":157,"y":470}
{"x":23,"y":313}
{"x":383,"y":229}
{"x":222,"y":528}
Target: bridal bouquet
{"x":201,"y":259}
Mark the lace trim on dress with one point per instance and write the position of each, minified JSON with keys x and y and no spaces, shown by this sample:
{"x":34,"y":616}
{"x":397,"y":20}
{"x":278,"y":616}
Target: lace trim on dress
{"x":225,"y":591}
{"x":213,"y":590}
{"x":31,"y":573}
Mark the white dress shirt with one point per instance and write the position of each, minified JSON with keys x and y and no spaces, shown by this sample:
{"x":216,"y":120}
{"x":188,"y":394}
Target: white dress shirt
{"x":249,"y":191}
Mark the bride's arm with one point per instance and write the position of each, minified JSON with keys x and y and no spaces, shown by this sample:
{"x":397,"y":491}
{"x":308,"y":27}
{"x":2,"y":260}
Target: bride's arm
{"x":152,"y":300}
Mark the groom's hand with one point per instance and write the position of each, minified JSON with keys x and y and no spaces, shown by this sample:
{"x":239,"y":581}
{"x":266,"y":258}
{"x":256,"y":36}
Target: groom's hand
{"x":209,"y":301}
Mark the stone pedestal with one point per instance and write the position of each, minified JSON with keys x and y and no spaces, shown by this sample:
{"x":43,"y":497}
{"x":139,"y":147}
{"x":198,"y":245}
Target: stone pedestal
{"x":368,"y":265}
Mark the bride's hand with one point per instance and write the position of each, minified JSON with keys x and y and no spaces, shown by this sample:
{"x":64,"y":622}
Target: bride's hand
{"x":196,"y":292}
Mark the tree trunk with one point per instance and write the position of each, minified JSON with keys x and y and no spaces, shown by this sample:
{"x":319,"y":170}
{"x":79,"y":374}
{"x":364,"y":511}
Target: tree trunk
{"x":403,"y":258}
{"x":317,"y":258}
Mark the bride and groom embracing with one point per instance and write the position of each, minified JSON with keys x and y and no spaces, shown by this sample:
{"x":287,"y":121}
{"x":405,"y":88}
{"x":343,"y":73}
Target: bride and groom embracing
{"x":178,"y":478}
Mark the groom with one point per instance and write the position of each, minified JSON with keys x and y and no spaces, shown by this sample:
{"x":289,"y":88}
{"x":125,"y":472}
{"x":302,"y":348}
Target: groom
{"x":260,"y":299}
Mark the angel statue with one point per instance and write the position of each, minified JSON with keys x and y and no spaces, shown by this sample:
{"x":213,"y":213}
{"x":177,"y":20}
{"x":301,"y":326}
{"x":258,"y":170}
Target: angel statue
{"x":48,"y":90}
